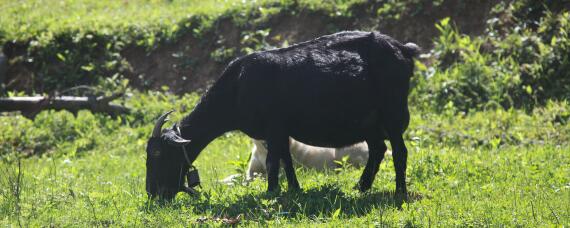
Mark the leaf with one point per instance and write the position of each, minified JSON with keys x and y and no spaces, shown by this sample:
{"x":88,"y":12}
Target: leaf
{"x":529,"y":89}
{"x":60,"y":57}
{"x":420,"y":66}
{"x":336,"y":213}
{"x":444,"y":21}
{"x":88,"y":68}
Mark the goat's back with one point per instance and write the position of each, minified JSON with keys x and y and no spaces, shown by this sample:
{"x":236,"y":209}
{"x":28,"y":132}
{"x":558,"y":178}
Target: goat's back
{"x":326,"y":92}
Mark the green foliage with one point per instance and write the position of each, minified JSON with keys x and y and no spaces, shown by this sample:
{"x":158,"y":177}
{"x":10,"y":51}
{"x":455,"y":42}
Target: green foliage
{"x":508,"y":66}
{"x":223,"y":54}
{"x":493,"y":128}
{"x":59,"y":131}
{"x":36,"y":18}
{"x":75,"y":58}
{"x":343,"y":163}
{"x":394,"y":9}
{"x":71,"y":135}
{"x":255,"y":41}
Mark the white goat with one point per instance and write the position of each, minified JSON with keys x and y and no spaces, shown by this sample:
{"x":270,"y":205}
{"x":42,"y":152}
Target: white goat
{"x":308,"y":156}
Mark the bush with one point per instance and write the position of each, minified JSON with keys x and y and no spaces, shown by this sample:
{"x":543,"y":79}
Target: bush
{"x":61,"y":133}
{"x":517,"y":66}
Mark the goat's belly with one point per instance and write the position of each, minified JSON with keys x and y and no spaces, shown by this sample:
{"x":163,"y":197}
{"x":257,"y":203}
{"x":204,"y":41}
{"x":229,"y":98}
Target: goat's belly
{"x":330,"y":132}
{"x":331,"y":141}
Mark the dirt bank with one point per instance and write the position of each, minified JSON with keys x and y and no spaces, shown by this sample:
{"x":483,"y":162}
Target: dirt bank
{"x":188,"y":64}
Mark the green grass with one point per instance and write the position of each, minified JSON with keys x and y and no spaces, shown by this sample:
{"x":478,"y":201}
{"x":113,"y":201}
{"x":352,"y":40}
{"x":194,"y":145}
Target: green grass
{"x":488,"y":179}
{"x":25,"y":19}
{"x":43,"y":19}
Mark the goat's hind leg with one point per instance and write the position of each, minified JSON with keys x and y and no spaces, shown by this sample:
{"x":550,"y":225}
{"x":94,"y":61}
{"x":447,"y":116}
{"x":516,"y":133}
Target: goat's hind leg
{"x":376,"y":149}
{"x":400,"y":154}
{"x":255,"y":166}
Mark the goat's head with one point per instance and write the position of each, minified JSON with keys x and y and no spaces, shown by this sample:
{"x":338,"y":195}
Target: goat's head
{"x":166,"y":165}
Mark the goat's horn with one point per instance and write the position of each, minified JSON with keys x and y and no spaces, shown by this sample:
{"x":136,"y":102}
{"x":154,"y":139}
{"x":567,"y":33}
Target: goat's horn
{"x":158,"y":126}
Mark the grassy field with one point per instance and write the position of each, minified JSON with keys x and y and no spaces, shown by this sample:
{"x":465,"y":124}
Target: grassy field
{"x":30,"y":18}
{"x":487,"y":168}
{"x":489,"y":138}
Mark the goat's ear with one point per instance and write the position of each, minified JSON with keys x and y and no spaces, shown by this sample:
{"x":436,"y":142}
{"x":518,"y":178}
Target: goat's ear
{"x":179,"y":141}
{"x":174,"y":139}
{"x":154,"y":147}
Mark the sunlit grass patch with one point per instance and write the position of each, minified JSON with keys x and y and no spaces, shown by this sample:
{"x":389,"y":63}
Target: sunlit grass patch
{"x":453,"y":180}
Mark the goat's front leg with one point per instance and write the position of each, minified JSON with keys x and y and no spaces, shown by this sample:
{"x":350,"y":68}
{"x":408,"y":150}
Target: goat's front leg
{"x":289,"y":169}
{"x":278,"y":148}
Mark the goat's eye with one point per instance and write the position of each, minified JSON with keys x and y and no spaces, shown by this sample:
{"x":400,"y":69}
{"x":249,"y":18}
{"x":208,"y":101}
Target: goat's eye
{"x":155,"y":153}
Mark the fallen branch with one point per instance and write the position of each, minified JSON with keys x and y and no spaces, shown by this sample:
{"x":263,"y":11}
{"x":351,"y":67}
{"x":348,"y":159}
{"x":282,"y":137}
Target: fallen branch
{"x":31,"y":106}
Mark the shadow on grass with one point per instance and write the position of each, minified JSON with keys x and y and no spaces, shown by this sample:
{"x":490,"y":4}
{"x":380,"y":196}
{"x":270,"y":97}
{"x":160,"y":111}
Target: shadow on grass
{"x":320,"y":202}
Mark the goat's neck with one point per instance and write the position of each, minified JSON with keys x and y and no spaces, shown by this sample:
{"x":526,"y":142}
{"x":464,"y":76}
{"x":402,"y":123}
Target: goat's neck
{"x":211,"y":118}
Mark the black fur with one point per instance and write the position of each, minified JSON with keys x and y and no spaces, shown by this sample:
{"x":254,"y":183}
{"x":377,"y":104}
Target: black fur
{"x":333,"y":91}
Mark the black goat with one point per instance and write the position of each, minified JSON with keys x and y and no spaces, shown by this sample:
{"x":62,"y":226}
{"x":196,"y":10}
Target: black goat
{"x":333,"y":91}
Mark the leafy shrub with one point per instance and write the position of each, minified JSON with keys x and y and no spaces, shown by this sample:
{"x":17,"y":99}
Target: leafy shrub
{"x":462,"y":76}
{"x":518,"y":66}
{"x":74,"y":58}
{"x":493,"y":128}
{"x":59,"y":131}
{"x":70,"y":135}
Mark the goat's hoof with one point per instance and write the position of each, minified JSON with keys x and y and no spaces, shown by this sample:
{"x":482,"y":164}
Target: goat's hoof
{"x":402,"y":195}
{"x":271,"y":194}
{"x":273,"y":191}
{"x":360,"y":187}
{"x":295,"y":189}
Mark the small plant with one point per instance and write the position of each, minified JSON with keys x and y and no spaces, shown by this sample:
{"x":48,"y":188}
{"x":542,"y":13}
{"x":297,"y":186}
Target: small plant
{"x":255,"y":41}
{"x":12,"y":179}
{"x":223,"y":54}
{"x":240,"y":165}
{"x":343,"y":164}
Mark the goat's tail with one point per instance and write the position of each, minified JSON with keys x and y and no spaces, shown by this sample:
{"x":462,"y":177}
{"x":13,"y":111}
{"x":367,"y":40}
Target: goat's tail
{"x":411,"y":50}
